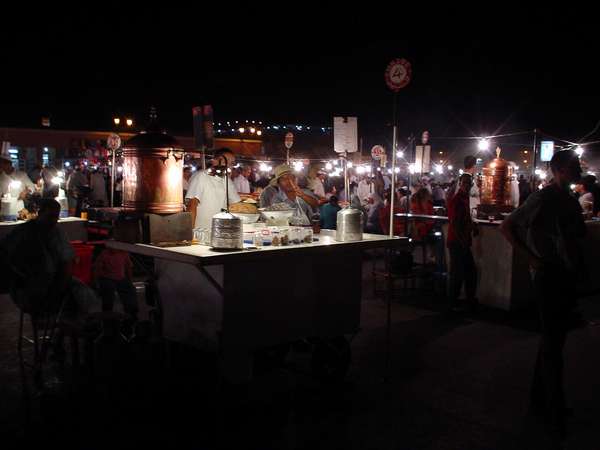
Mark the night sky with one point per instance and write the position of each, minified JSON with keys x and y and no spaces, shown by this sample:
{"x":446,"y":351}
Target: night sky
{"x":485,"y":73}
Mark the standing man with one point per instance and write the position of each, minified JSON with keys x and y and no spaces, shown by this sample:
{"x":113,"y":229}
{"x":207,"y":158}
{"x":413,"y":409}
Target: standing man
{"x":242,"y":184}
{"x":548,"y":228}
{"x":460,"y":232}
{"x":470,"y":168}
{"x":76,"y":189}
{"x":9,"y":174}
{"x":207,"y":190}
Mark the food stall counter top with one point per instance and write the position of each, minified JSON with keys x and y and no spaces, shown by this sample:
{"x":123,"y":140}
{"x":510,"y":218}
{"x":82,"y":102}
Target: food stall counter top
{"x":421,"y":216}
{"x":203,"y":255}
{"x":64,"y":220}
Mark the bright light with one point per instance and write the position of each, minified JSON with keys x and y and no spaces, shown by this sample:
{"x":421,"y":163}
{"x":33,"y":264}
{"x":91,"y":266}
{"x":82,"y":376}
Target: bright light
{"x":259,"y":133}
{"x":193,"y":168}
{"x":368,"y":169}
{"x":241,"y":129}
{"x":85,"y":163}
{"x":119,"y":169}
{"x":483,"y":145}
{"x":350,"y":165}
{"x":439,"y":169}
{"x":579,"y":151}
{"x":542,"y":176}
{"x":438,"y":233}
{"x":400,"y":154}
{"x":379,"y":169}
{"x":15,"y":184}
{"x":540,"y":186}
{"x":252,"y":130}
{"x":117,"y":121}
{"x":298,"y":166}
{"x":516,"y":167}
{"x":360,"y":170}
{"x":573,"y":187}
{"x":61,"y":174}
{"x":411,"y":168}
{"x":460,"y":171}
{"x":397,"y":169}
{"x":67,"y":164}
{"x":264,"y":167}
{"x":46,"y":149}
{"x":328,"y":166}
{"x":592,"y":173}
{"x":450,"y":167}
{"x":538,"y":171}
{"x":57,"y":180}
{"x":389,"y":171}
{"x":129,"y":122}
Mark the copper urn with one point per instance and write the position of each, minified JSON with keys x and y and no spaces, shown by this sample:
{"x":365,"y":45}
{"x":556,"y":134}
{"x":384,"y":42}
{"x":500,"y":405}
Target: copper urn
{"x":153,"y":172}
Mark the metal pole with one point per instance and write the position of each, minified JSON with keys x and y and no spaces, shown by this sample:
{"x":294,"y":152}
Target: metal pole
{"x":393,"y":187}
{"x":346,"y":184}
{"x":112,"y":180}
{"x":534,"y":160}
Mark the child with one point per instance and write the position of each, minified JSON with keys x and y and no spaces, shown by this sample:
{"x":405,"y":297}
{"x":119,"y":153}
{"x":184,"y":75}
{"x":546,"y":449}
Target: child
{"x":112,"y":272}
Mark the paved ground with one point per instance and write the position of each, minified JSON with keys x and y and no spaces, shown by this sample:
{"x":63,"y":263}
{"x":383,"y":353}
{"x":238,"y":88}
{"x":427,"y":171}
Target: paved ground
{"x":457,"y":382}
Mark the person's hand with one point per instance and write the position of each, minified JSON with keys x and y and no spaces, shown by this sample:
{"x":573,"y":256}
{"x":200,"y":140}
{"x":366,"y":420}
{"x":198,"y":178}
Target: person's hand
{"x":23,"y":194}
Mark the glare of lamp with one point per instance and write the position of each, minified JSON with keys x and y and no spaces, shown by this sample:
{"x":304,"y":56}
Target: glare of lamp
{"x":483,"y":145}
{"x":129,"y":122}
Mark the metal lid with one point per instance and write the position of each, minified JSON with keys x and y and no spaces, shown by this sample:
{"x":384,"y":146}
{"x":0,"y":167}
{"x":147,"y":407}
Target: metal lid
{"x":153,"y":137}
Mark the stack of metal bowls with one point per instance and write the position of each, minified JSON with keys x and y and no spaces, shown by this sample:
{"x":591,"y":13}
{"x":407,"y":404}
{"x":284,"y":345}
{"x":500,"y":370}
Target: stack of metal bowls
{"x":350,"y":222}
{"x":227,"y":232}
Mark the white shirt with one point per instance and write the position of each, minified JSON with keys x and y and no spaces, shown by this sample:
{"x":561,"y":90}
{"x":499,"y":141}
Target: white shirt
{"x":210,"y":192}
{"x":587,"y":202}
{"x":17,"y":175}
{"x":242,"y":184}
{"x":316,"y":185}
{"x":364,"y":190}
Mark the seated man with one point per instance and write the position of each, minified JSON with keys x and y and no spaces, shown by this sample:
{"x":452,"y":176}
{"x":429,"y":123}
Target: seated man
{"x":40,"y":259}
{"x":283,"y":188}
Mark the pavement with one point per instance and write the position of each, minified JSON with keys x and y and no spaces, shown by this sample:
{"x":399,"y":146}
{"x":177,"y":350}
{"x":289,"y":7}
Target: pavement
{"x":456,"y":381}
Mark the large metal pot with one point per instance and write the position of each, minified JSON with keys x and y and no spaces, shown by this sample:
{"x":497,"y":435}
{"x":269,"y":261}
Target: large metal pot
{"x":227,"y":232}
{"x":153,"y":172}
{"x":496,"y":183}
{"x":349,"y":227}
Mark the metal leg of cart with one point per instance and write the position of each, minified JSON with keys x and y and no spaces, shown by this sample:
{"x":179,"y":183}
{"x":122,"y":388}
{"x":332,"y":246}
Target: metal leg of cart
{"x":388,"y":332}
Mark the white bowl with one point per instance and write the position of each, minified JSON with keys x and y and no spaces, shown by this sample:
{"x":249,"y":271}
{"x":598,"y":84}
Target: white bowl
{"x":277,"y":215}
{"x":247,"y":218}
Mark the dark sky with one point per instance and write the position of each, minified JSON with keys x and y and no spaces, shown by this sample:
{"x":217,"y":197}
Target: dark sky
{"x":475,"y":74}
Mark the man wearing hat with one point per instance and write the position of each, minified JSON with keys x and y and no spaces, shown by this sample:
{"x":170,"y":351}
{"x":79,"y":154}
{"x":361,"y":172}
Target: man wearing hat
{"x":284,"y":189}
{"x":8,"y":174}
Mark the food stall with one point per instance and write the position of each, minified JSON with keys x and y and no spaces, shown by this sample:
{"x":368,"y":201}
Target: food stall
{"x":236,"y":302}
{"x":503,"y":278}
{"x":237,"y":287}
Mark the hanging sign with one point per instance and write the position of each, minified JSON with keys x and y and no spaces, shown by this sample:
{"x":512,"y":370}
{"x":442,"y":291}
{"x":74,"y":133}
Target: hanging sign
{"x":113,"y":142}
{"x":398,"y":74}
{"x":377,"y":152}
{"x":345,"y":134}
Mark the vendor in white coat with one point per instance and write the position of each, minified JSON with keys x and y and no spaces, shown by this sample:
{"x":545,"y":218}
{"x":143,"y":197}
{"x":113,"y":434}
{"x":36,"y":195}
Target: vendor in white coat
{"x":207,"y":190}
{"x":12,"y":181}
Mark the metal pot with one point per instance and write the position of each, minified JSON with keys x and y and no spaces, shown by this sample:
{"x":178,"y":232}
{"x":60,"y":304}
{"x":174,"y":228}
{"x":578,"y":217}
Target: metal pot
{"x":227,"y":232}
{"x":153,"y":172}
{"x":350,"y":222}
